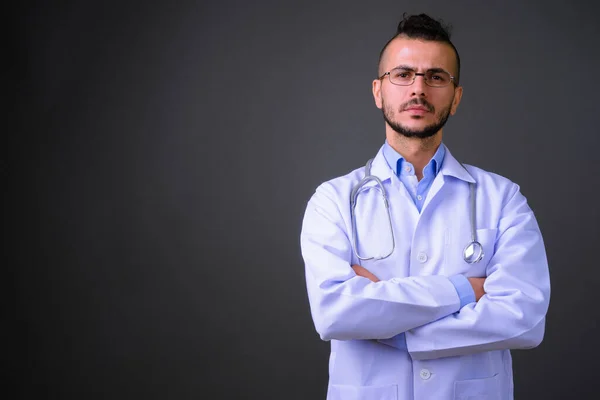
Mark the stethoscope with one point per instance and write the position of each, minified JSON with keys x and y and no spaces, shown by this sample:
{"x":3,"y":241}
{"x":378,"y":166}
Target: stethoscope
{"x":472,"y":253}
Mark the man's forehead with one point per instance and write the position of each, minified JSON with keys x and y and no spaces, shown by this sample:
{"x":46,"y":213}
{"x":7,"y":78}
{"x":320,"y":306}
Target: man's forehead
{"x":419,"y":53}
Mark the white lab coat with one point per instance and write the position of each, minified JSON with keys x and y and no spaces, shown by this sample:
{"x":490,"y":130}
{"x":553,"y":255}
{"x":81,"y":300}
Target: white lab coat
{"x":451,"y":353}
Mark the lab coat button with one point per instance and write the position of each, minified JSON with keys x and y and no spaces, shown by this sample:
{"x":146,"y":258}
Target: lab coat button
{"x":425,"y":374}
{"x":422,"y":257}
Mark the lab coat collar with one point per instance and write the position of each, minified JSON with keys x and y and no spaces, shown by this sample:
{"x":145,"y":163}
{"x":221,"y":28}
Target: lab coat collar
{"x":451,"y":167}
{"x":380,"y":168}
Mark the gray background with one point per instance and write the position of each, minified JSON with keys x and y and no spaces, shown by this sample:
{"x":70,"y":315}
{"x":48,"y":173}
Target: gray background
{"x":163,"y":155}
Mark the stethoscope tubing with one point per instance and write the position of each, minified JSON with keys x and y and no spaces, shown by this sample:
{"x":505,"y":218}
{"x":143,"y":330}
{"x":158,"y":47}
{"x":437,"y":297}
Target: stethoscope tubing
{"x":473,"y":251}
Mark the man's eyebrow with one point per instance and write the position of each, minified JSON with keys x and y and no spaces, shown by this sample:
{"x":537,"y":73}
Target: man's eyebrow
{"x":411,"y":68}
{"x":407,"y":67}
{"x":436,"y":70}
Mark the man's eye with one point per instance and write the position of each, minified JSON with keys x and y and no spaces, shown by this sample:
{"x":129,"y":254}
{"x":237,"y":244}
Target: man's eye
{"x":439,"y":77}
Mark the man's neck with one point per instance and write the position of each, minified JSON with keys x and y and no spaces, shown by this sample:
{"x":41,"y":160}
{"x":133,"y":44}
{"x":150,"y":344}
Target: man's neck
{"x":416,"y":151}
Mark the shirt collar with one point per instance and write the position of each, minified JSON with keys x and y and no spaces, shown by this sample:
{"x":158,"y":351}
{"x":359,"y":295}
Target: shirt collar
{"x":395,"y":160}
{"x":451,"y":167}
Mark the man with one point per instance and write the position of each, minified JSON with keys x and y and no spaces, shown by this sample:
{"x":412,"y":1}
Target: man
{"x":426,"y":299}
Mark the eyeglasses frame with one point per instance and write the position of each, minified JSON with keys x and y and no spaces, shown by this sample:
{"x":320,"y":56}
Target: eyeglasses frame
{"x":452,"y":78}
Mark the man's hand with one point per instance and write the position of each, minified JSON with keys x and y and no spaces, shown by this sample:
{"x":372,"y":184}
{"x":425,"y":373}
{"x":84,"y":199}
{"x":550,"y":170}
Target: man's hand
{"x":360,"y":271}
{"x":477,"y":284}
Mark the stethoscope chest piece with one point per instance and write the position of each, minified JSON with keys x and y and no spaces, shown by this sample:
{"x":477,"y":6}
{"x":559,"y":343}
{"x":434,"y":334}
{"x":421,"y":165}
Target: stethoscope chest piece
{"x":473,"y":252}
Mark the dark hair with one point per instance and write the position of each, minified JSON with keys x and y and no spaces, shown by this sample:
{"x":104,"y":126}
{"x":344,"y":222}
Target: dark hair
{"x":424,"y":27}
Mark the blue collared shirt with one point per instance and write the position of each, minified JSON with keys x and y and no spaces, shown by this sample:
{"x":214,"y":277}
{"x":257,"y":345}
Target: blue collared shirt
{"x":405,"y":171}
{"x":418,"y":190}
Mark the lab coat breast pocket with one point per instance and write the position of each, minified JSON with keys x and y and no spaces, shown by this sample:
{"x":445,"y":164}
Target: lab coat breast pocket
{"x":477,"y":389}
{"x":349,"y":392}
{"x":454,"y":261}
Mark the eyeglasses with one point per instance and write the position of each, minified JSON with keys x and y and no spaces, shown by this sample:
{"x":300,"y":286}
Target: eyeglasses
{"x":405,"y":77}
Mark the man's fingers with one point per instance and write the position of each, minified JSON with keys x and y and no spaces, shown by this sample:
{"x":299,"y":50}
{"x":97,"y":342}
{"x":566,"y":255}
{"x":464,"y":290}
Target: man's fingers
{"x":477,"y":284}
{"x":365,"y":273}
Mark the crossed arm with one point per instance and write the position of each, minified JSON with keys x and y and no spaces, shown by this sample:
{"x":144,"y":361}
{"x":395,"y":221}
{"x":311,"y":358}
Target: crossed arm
{"x":399,"y":341}
{"x":476,"y":283}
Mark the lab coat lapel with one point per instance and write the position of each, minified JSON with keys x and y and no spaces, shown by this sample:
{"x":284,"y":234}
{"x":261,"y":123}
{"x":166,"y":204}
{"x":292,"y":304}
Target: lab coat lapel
{"x":382,"y":170}
{"x":405,"y":203}
{"x":380,"y":167}
{"x":450,"y":167}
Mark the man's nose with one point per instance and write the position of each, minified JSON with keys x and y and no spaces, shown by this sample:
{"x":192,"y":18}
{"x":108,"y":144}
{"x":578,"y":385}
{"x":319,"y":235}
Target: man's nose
{"x":419,"y":87}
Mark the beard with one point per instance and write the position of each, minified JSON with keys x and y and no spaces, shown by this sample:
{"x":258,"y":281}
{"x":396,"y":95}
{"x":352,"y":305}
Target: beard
{"x":428,"y":131}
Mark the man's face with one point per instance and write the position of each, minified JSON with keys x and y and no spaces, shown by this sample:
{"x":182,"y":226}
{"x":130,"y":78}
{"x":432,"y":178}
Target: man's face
{"x":417,"y":110}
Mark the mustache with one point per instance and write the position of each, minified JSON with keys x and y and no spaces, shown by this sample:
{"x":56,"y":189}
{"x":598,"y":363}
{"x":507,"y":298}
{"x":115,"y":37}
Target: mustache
{"x":417,"y":102}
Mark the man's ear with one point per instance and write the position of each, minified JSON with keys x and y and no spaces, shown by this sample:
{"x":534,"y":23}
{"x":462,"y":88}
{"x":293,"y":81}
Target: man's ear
{"x":377,"y":93}
{"x":457,"y":97}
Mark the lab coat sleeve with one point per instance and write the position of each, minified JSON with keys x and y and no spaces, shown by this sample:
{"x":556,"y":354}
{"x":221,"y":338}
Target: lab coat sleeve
{"x":511,"y":315}
{"x":466,"y":295}
{"x":345,"y":306}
